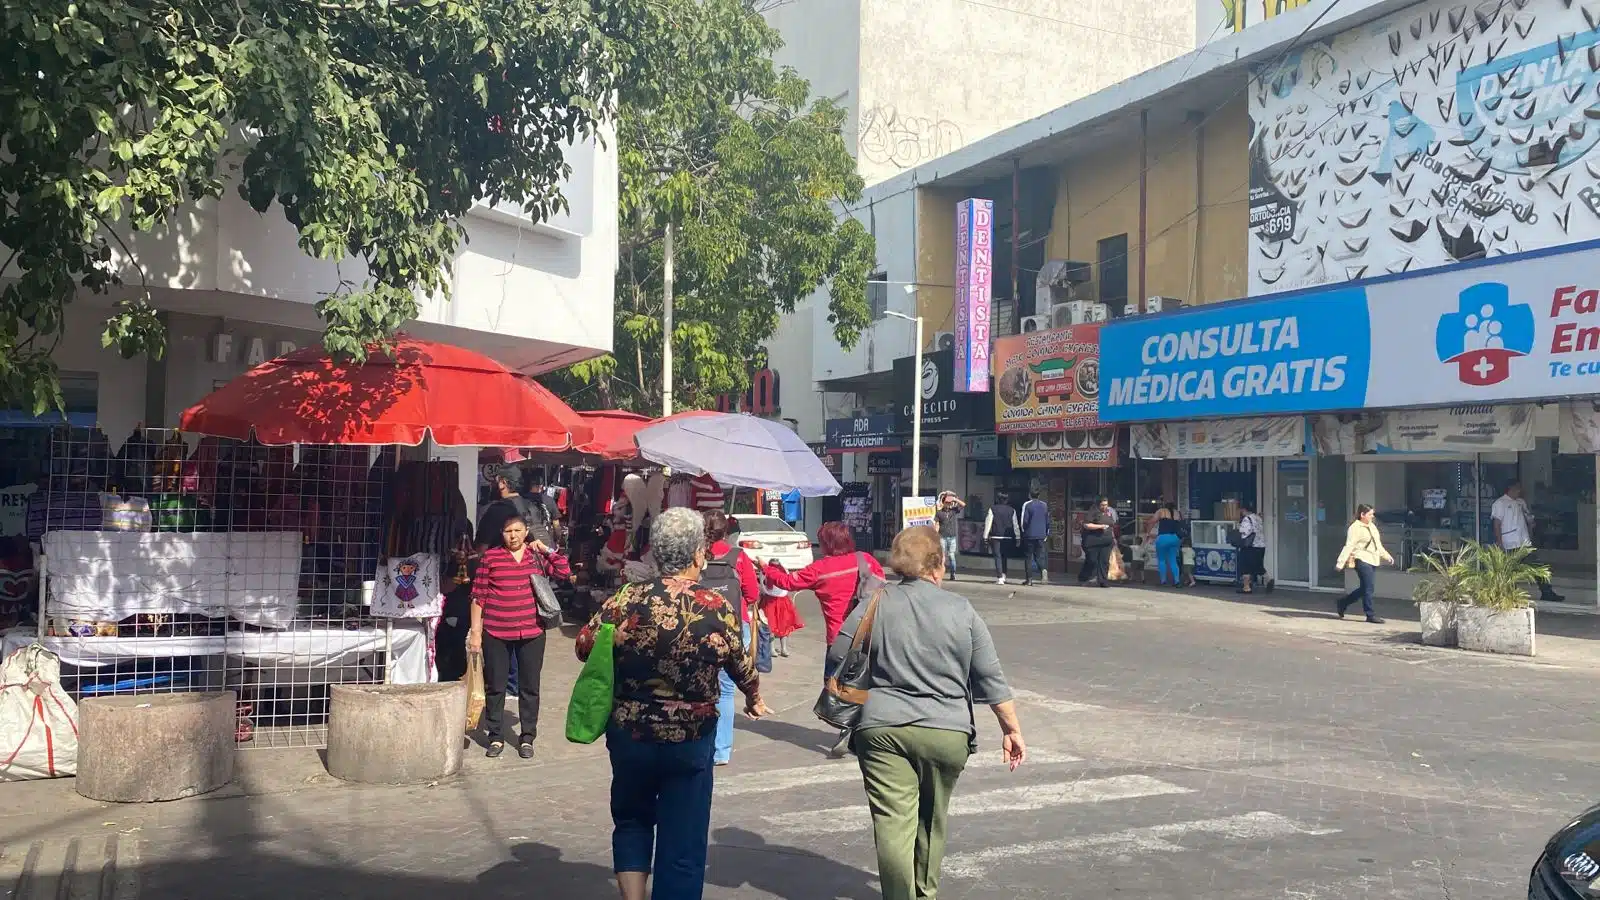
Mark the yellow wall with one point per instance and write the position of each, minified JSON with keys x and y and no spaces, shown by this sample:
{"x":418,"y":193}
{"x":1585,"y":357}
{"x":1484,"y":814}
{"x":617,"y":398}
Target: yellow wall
{"x":1195,"y":254}
{"x":936,"y":256}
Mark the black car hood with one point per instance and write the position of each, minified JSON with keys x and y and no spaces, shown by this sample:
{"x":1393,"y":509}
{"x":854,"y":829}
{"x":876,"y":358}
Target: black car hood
{"x":1573,"y":854}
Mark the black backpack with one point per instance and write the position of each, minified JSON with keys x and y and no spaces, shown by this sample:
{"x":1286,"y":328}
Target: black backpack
{"x":720,"y":575}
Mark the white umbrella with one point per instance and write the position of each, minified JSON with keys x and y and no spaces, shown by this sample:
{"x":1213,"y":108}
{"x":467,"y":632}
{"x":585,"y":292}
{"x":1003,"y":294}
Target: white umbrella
{"x":738,"y":451}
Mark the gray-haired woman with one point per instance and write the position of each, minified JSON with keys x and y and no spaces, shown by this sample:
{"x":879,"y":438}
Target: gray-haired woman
{"x":932,"y":660}
{"x":672,"y":638}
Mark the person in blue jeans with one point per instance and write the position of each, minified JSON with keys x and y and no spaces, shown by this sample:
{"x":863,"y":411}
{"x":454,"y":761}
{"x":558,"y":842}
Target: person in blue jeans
{"x":1169,"y":542}
{"x":673,"y":638}
{"x":1035,"y":531}
{"x":1363,"y":551}
{"x":731,"y":573}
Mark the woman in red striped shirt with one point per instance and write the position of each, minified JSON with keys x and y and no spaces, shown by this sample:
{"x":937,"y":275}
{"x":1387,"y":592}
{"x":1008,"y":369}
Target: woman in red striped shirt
{"x":505,"y":622}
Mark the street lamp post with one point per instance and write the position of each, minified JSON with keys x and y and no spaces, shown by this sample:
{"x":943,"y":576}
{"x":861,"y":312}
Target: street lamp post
{"x":916,"y":401}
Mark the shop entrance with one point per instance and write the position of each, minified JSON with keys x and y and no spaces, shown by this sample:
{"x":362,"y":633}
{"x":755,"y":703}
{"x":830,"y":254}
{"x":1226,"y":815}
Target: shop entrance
{"x":1311,"y":499}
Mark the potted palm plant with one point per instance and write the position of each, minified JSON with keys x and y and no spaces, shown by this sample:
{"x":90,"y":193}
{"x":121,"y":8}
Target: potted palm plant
{"x":1499,"y":614}
{"x":1440,"y":594}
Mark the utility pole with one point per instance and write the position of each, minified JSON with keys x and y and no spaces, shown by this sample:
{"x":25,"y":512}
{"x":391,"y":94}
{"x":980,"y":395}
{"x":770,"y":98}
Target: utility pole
{"x":666,"y":325}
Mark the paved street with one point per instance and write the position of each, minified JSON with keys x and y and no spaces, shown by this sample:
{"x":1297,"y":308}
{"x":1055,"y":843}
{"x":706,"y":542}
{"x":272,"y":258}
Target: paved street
{"x":1181,"y":746}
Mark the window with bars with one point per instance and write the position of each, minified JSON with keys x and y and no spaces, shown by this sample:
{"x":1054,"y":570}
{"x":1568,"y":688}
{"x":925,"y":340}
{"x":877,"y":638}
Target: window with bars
{"x":878,"y":295}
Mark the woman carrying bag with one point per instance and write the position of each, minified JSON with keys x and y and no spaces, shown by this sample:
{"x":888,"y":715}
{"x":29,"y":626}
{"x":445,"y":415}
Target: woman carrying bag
{"x":928,"y":660}
{"x":1363,"y":550}
{"x":667,"y":640}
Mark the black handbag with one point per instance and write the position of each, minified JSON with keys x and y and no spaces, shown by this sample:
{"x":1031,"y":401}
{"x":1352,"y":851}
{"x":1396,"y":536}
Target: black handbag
{"x":844,"y":693}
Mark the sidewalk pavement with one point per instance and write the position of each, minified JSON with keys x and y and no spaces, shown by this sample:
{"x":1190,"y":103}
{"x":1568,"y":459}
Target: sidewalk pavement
{"x":1568,"y":638}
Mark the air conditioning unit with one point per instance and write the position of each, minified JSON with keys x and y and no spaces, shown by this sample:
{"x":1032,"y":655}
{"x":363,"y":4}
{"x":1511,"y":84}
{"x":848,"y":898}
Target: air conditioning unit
{"x":1098,"y":312}
{"x":1031,"y":324}
{"x":1131,"y":309}
{"x":944,"y":340}
{"x":1162,"y":304}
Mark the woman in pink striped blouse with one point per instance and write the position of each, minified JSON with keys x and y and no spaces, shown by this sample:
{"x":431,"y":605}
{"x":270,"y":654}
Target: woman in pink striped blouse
{"x":505,"y":621}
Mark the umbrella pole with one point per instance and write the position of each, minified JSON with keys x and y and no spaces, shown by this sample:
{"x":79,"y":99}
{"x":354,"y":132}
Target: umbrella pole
{"x":666,"y":324}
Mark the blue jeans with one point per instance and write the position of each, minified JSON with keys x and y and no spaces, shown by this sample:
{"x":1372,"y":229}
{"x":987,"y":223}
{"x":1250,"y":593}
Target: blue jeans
{"x":661,"y":810}
{"x":1167,"y":546}
{"x":952,"y":546}
{"x":1368,"y":576}
{"x":727,"y":709}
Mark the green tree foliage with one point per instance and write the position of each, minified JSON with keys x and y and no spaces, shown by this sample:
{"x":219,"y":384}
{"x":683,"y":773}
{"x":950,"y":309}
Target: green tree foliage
{"x":715,"y":138}
{"x":372,"y":124}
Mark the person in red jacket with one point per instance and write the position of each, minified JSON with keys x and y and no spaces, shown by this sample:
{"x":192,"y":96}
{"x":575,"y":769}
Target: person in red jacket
{"x":833,"y":577}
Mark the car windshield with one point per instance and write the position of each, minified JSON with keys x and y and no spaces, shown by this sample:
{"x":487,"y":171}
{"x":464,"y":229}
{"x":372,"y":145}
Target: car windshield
{"x":748,"y":524}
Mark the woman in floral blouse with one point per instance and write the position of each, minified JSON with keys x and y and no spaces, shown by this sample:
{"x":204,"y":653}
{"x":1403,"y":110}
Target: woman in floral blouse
{"x":672,"y":639}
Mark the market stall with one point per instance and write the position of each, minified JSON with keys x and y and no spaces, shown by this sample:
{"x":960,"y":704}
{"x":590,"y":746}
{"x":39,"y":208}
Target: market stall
{"x":293,"y":535}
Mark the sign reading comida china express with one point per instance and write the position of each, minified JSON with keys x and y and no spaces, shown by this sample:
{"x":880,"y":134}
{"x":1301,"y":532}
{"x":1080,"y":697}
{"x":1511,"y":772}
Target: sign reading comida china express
{"x":1517,"y":328}
{"x":1047,"y":386}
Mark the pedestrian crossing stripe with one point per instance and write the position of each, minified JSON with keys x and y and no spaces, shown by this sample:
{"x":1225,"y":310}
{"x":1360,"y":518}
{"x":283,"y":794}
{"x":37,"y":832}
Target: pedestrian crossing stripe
{"x":1017,"y":799}
{"x":848,"y":771}
{"x":1252,"y":826}
{"x":1033,"y":698}
{"x":102,"y":867}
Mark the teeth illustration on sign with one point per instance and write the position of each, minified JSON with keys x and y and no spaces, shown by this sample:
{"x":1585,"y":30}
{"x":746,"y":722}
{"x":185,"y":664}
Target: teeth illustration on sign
{"x":1355,"y":220}
{"x":1558,"y":183}
{"x":1408,"y":230}
{"x":1399,"y":265}
{"x":1457,"y":15}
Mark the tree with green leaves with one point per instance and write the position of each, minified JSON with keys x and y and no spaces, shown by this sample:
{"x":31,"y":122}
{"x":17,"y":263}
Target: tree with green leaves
{"x":717,"y":140}
{"x":373,"y":125}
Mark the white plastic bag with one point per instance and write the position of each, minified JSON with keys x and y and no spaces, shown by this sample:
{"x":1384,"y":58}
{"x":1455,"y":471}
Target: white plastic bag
{"x":38,"y":720}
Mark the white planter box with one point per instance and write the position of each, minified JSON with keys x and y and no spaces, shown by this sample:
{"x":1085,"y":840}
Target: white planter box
{"x":1495,"y":632}
{"x":1438,"y":623}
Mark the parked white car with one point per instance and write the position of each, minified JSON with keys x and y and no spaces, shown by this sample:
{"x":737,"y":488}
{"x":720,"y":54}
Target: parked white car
{"x":765,"y":538}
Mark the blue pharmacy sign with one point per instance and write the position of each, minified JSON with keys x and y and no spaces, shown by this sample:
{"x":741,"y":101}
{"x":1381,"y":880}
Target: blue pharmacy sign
{"x":1524,"y":327}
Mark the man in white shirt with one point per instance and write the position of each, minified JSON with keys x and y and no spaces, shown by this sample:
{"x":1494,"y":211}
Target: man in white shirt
{"x":1513,"y":529}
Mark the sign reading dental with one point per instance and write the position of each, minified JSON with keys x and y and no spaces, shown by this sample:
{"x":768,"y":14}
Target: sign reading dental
{"x":974,"y":286}
{"x":1518,"y":328}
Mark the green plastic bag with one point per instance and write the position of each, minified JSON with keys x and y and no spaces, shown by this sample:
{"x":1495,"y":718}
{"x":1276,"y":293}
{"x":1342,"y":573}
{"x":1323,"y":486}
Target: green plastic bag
{"x":589,"y":712}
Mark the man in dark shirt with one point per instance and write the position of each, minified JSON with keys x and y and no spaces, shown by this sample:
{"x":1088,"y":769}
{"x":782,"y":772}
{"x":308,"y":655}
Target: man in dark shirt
{"x":948,"y":518}
{"x":511,"y":503}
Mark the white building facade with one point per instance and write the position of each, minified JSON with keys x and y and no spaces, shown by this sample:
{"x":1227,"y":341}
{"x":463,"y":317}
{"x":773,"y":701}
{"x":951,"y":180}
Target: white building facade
{"x":234,"y":290}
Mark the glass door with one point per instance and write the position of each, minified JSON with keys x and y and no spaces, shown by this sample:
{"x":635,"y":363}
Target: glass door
{"x":1293,"y":521}
{"x":1332,"y":518}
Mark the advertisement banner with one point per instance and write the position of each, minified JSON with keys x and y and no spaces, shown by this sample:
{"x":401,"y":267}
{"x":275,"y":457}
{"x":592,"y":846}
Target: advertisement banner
{"x":916,"y":512}
{"x":1459,"y":429}
{"x":1443,"y":132}
{"x":1047,"y":380}
{"x":1274,"y":436}
{"x":974,"y":286}
{"x":1517,"y":328}
{"x":980,"y":446}
{"x":1090,"y":449}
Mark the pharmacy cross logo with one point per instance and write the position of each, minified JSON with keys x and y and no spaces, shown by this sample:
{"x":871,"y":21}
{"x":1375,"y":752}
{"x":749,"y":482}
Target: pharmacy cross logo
{"x":1485,"y":333}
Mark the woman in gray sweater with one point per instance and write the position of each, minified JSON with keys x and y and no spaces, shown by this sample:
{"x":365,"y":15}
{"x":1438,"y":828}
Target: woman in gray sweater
{"x":917,"y":730}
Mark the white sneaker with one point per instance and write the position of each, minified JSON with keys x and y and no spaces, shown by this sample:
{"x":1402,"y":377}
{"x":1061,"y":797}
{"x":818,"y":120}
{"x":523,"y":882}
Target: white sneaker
{"x":1000,"y":580}
{"x":1044,"y":577}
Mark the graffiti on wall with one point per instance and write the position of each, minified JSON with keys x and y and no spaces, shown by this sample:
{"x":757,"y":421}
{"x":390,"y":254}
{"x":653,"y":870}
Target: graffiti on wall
{"x":1444,"y":133}
{"x":890,"y":138}
{"x":1237,"y":15}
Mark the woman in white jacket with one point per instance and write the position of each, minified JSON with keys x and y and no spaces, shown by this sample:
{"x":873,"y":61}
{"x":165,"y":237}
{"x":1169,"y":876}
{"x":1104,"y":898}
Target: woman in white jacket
{"x":1363,"y":549}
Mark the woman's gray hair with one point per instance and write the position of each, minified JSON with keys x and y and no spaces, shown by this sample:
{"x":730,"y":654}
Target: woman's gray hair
{"x":675,"y":537}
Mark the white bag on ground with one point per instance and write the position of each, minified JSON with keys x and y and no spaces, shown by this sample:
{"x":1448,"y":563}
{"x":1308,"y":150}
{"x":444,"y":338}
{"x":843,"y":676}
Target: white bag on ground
{"x":38,"y":720}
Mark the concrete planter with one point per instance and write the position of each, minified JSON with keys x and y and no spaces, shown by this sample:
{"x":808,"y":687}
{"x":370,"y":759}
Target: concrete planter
{"x":396,"y":733}
{"x":154,"y":747}
{"x":1438,"y":623}
{"x":1495,"y":632}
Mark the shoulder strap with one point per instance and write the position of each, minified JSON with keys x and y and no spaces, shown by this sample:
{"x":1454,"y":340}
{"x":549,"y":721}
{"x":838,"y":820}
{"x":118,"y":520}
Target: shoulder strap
{"x":863,"y":633}
{"x":861,"y":564}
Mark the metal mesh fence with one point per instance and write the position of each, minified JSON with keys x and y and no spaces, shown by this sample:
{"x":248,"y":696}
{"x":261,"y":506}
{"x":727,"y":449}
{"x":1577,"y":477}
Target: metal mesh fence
{"x":179,"y":563}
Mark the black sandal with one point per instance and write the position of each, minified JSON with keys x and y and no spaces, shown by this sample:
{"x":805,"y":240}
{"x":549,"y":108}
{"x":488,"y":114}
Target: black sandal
{"x":495,"y":749}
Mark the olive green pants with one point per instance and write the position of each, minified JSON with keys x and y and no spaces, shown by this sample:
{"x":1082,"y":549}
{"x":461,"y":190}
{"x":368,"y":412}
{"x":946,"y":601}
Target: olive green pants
{"x":910,"y":773}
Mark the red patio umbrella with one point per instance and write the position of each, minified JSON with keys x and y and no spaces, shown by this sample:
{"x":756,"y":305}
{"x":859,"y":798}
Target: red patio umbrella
{"x":460,"y":397}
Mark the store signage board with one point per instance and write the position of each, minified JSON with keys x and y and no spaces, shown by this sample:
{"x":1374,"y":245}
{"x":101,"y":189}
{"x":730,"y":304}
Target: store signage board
{"x":1511,"y":328}
{"x":974,"y":287}
{"x":1095,"y":449}
{"x":1047,"y":380}
{"x":868,"y":432}
{"x":885,"y":463}
{"x":945,"y":410}
{"x":980,"y":446}
{"x":916,"y":512}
